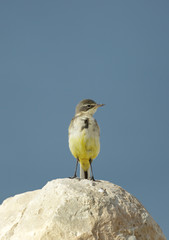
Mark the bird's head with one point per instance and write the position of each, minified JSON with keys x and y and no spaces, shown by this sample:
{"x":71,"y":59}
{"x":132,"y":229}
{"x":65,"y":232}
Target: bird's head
{"x":87,"y":106}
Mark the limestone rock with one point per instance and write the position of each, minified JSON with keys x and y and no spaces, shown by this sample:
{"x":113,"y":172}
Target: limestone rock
{"x":73,"y":209}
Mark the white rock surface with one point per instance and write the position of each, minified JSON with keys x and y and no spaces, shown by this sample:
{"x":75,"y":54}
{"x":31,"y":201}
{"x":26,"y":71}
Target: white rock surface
{"x":72,"y":209}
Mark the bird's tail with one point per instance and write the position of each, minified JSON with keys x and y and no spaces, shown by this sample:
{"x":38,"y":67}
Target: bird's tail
{"x":84,"y":174}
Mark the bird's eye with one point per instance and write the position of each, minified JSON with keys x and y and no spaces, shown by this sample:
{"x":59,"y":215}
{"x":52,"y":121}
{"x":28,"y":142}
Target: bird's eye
{"x":88,"y":105}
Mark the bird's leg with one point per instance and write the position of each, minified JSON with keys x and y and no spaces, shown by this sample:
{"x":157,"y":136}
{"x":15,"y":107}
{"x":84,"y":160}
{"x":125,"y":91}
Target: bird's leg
{"x":92,"y":177}
{"x":75,"y":175}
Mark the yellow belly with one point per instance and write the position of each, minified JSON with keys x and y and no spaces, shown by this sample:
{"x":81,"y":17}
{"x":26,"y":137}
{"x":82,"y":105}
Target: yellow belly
{"x":84,"y":148}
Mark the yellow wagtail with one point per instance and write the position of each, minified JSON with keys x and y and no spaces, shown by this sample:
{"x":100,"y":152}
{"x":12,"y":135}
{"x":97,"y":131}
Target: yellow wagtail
{"x":84,"y":137}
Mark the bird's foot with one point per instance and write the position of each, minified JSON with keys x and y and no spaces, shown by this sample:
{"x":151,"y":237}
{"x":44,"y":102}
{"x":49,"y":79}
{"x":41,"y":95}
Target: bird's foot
{"x":73,"y":177}
{"x":92,"y":178}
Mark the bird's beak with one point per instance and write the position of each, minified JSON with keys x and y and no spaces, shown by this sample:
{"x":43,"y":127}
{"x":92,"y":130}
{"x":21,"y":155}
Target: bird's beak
{"x":100,"y":105}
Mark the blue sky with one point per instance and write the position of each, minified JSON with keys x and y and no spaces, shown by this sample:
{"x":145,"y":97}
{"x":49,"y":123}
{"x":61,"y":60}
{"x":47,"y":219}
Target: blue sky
{"x":54,"y":54}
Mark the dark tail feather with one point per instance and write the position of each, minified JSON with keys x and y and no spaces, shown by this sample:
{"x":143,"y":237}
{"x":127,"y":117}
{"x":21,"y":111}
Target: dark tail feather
{"x":86,"y":174}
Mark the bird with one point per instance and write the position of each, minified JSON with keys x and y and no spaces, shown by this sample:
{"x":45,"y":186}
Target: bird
{"x":84,"y":137}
